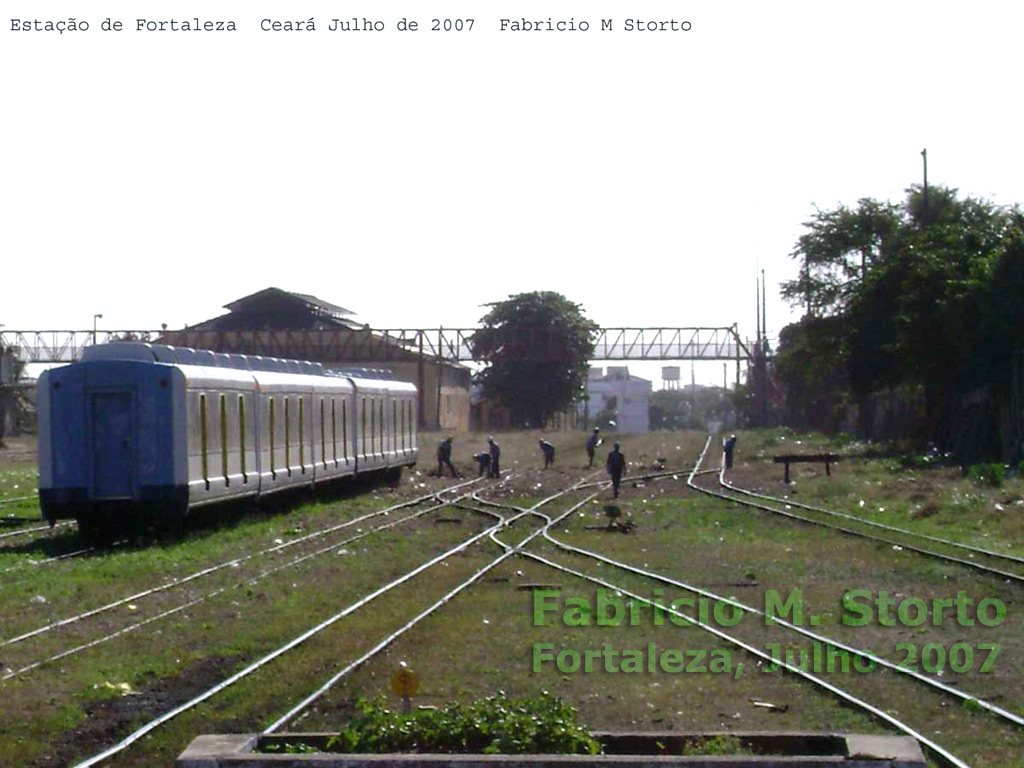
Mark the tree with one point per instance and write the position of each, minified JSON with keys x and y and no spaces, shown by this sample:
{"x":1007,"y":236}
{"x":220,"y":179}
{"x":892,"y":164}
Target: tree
{"x":689,"y":408}
{"x":926,"y":298}
{"x":812,"y":368}
{"x":837,"y":251}
{"x":1003,"y":331}
{"x":11,"y":368}
{"x":537,"y":348}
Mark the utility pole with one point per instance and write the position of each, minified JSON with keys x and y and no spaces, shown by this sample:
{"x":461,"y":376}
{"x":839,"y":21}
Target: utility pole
{"x":764,"y":312}
{"x":807,"y":286}
{"x":736,"y":338}
{"x":761,"y":358}
{"x":693,"y":390}
{"x":924,"y":213}
{"x":757,"y":307}
{"x":440,"y":372}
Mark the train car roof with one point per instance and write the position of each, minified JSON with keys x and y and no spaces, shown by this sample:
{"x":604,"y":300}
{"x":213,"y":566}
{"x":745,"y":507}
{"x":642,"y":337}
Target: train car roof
{"x":162,"y":353}
{"x":363,"y":378}
{"x":283,"y":381}
{"x":376,"y":374}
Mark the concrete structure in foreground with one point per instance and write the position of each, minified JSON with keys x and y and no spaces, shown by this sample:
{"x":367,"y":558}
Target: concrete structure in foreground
{"x":622,"y":750}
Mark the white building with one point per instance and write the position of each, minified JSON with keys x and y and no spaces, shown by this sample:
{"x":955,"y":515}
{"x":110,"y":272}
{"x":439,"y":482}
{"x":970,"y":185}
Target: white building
{"x":627,"y":396}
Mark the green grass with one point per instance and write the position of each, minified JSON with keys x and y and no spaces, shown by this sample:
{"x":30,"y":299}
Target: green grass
{"x":928,"y":497}
{"x":483,"y":640}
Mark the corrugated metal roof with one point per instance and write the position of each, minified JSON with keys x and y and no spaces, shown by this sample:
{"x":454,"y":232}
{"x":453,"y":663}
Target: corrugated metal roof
{"x":309,"y":300}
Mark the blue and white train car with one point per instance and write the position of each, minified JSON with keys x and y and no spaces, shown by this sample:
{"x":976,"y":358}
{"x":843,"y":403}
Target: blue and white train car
{"x":143,"y":432}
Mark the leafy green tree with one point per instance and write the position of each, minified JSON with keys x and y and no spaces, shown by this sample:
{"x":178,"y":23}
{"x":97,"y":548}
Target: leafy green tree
{"x":812,"y":367}
{"x":1002,"y":329}
{"x":537,"y":347}
{"x":927,"y":297}
{"x":946,"y":274}
{"x":837,"y":251}
{"x":688,"y":408}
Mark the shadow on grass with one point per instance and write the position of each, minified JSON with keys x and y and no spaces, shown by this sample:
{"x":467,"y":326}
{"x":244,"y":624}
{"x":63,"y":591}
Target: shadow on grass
{"x":208,"y":521}
{"x":211,"y":520}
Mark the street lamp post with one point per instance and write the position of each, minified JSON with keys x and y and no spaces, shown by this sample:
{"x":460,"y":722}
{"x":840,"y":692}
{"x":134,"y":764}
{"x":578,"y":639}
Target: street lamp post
{"x":94,"y":319}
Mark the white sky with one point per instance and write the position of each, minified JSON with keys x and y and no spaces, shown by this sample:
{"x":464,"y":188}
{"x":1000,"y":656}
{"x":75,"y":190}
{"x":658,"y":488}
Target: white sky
{"x":412,"y":177}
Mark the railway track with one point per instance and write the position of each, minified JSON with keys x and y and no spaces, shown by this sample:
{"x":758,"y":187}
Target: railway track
{"x":942,"y":689}
{"x":941,"y":754}
{"x":937,"y":752}
{"x":1000,"y":565}
{"x":239,"y":579}
{"x":41,"y":530}
{"x":9,"y":524}
{"x":302,"y":638}
{"x":15,"y":499}
{"x":503,"y":517}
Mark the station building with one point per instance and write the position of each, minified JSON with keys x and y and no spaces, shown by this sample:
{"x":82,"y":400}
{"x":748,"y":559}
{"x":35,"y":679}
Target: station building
{"x":278,"y":323}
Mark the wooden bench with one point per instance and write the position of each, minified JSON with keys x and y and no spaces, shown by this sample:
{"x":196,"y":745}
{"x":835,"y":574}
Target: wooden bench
{"x":796,"y":458}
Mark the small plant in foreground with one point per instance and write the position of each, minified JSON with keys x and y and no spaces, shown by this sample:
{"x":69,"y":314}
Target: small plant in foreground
{"x":715,"y":745}
{"x":291,"y":748}
{"x":991,"y":475}
{"x":495,"y":725}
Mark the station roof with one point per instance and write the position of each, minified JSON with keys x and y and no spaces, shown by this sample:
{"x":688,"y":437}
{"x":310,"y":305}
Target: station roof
{"x":312,"y":303}
{"x":277,"y":308}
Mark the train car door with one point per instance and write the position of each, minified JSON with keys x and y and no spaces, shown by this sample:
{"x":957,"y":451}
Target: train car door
{"x":113,"y":453}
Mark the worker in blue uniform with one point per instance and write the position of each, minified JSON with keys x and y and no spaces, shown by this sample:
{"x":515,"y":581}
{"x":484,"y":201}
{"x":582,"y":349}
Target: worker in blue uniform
{"x":592,"y":443}
{"x":729,"y":445}
{"x":495,"y":452}
{"x":549,"y":453}
{"x":444,"y":457}
{"x":484,"y":460}
{"x":616,"y":464}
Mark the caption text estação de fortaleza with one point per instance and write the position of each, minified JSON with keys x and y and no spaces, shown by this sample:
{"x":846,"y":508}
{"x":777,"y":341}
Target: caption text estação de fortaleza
{"x":354,"y":24}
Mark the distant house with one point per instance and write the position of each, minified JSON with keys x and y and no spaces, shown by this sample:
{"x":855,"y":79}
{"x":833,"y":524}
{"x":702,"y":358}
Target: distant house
{"x":278,"y":323}
{"x":624,"y":398}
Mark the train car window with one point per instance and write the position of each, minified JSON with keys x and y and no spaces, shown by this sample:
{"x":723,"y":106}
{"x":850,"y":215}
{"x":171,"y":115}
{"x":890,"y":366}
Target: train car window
{"x":273,"y":472}
{"x":376,"y":426}
{"x":203,"y":440}
{"x":334,"y":428}
{"x":288,"y":436}
{"x":409,"y":406}
{"x":383,"y":429}
{"x":241,"y":436}
{"x":362,"y":431}
{"x":302,"y":435}
{"x":224,"y":439}
{"x":394,"y":424}
{"x":323,"y":433}
{"x":402,"y":419}
{"x":344,"y":431}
